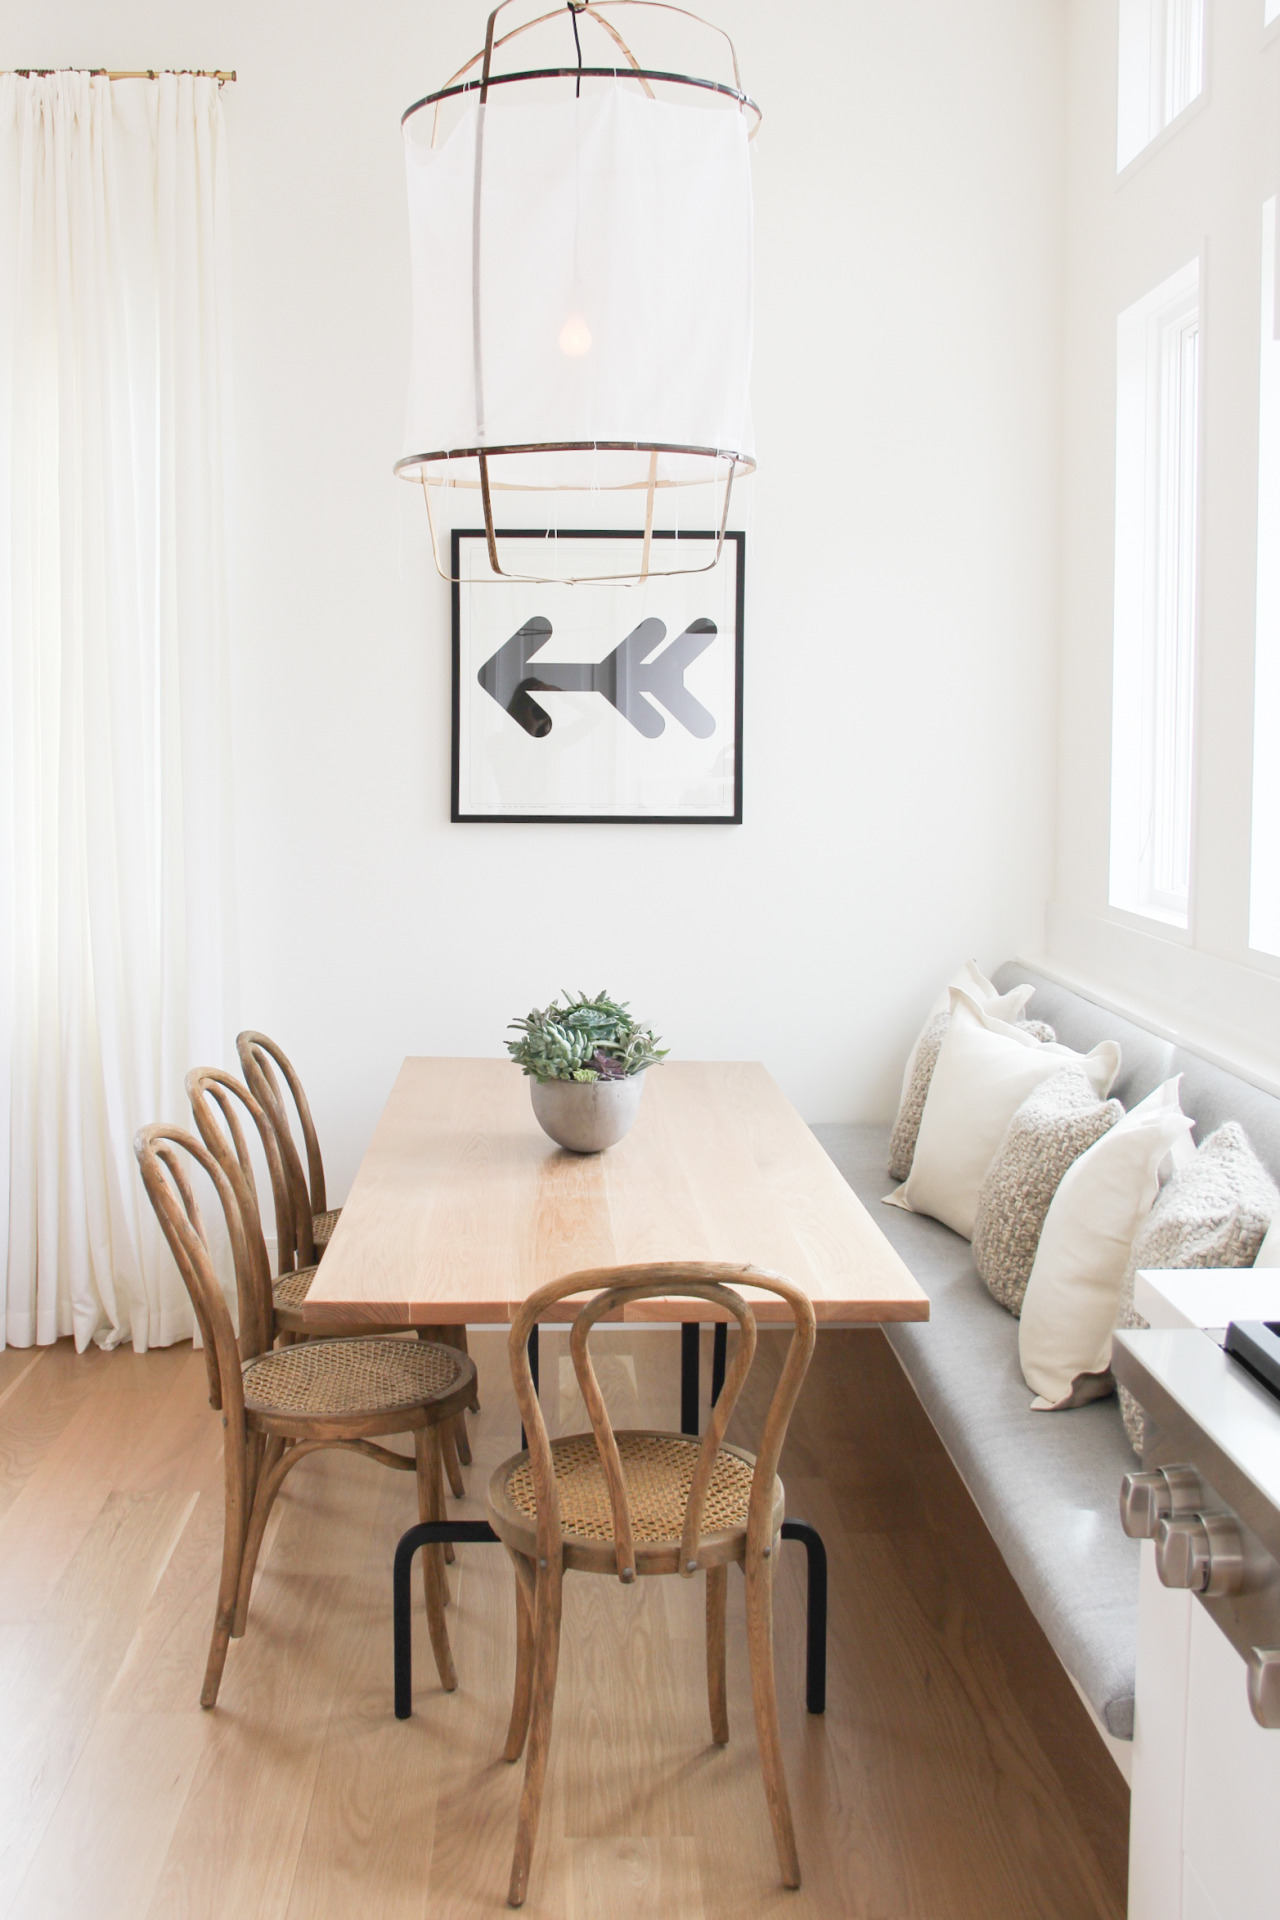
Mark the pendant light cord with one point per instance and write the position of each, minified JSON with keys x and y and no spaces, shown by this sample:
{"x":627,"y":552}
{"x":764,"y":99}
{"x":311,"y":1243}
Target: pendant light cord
{"x":573,"y":15}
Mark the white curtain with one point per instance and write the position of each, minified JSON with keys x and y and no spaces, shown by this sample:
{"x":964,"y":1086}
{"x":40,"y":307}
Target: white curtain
{"x":115,"y":847}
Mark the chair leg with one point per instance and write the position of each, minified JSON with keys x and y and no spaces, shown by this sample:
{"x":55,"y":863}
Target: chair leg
{"x":239,"y":1467}
{"x":522,"y":1696}
{"x":264,"y":1499}
{"x":426,"y":1448}
{"x":449,"y":1450}
{"x":455,"y":1337}
{"x":463,"y":1347}
{"x":546,"y":1655}
{"x":447,"y":1552}
{"x":759,"y":1572}
{"x":717,"y":1697}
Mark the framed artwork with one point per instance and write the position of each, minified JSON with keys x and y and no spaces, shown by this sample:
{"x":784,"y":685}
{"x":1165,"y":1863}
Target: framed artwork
{"x":607,"y":700}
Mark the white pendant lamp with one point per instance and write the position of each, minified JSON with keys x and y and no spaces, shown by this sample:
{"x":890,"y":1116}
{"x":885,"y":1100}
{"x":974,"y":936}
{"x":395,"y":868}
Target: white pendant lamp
{"x":581,"y":243}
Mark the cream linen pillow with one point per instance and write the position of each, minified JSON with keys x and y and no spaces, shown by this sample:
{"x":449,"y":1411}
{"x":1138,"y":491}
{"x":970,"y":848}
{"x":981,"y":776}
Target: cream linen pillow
{"x":986,"y":1068}
{"x":923,"y":1056}
{"x":1069,"y":1309}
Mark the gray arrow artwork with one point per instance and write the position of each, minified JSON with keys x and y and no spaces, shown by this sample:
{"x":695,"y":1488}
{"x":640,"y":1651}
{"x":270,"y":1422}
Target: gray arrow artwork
{"x":630,"y":678}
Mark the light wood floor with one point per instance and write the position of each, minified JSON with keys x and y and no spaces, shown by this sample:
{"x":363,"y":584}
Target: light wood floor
{"x":954,"y":1777}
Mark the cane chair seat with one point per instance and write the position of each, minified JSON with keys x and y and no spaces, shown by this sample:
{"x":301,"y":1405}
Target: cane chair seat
{"x":322,"y":1226}
{"x":320,"y":1378}
{"x":658,"y":1470}
{"x":291,"y":1289}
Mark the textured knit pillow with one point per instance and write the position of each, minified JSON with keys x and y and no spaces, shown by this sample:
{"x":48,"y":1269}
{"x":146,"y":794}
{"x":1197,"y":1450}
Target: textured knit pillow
{"x":1215,"y":1212}
{"x":1052,"y":1127}
{"x":924,"y":1058}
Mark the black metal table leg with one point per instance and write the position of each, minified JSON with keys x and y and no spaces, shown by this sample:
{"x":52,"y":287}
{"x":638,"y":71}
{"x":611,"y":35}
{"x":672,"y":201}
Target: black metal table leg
{"x":533,"y":1368}
{"x":690,"y":1352}
{"x":426,"y":1533}
{"x":719,"y":1353}
{"x":815,"y":1676}
{"x":480,"y":1533}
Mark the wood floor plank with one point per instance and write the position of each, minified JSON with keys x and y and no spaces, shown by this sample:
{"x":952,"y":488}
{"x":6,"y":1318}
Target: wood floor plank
{"x":633,"y":1879}
{"x":111,"y":1828}
{"x":162,"y":1667}
{"x":44,"y":1399}
{"x":15,"y":1364}
{"x":234,"y":1849}
{"x":57,"y":1670}
{"x":371,"y":1816}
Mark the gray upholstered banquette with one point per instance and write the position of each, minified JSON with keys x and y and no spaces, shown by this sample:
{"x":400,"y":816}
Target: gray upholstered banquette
{"x":1045,"y":1483}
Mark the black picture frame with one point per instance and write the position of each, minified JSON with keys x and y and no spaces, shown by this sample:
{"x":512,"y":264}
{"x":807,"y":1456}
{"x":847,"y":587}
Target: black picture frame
{"x":735,"y":542}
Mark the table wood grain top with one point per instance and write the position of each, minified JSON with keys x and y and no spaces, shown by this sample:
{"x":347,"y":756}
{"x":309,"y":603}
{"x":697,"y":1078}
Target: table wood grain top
{"x":462,"y":1205}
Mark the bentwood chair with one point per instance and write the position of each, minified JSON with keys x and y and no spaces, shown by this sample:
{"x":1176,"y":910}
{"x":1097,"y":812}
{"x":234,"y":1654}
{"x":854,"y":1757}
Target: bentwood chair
{"x":214,"y":1097}
{"x":209,"y":1088}
{"x":640,"y":1503}
{"x":279,"y":1405}
{"x":312,"y":1222}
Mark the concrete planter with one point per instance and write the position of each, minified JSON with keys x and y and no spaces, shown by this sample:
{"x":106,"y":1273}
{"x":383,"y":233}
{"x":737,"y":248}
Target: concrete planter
{"x":587,"y":1115}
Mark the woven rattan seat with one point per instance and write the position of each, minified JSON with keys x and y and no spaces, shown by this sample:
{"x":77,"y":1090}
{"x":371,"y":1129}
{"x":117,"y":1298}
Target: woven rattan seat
{"x":291,"y":1289}
{"x":321,"y":1377}
{"x":658,"y":1470}
{"x":322,"y":1226}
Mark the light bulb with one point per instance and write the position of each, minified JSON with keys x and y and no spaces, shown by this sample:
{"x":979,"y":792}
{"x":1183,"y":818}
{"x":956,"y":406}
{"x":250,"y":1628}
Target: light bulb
{"x":575,"y":337}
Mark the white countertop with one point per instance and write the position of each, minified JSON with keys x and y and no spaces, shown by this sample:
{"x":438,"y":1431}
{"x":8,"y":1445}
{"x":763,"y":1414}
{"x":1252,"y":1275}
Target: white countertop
{"x":1208,"y":1297}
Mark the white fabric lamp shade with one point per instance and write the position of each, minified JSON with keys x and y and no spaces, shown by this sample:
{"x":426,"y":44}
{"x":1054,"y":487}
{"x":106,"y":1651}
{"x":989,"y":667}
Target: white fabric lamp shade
{"x":613,"y":307}
{"x":581,"y":254}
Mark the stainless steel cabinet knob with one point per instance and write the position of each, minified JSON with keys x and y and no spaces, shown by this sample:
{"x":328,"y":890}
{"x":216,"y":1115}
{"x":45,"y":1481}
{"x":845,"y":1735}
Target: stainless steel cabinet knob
{"x":1264,"y":1685}
{"x":1202,"y":1552}
{"x":1148,"y":1498}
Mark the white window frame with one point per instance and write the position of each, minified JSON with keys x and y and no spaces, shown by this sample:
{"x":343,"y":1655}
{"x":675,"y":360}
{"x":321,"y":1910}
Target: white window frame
{"x":1161,"y":69}
{"x":1264,"y":851}
{"x":1158,"y":436}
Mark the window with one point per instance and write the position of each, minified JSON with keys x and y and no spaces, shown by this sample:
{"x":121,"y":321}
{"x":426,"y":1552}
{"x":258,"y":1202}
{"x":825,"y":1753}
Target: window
{"x":1264,"y":878}
{"x":1153,"y":697}
{"x":1161,"y":68}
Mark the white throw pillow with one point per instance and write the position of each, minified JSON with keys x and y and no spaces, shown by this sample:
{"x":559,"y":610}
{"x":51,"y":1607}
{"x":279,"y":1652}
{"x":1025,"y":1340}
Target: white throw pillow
{"x":1069,"y":1310}
{"x":973,"y":981}
{"x":924,"y":1054}
{"x":986,"y":1068}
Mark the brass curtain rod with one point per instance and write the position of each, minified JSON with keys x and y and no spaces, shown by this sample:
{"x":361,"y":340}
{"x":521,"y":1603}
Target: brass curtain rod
{"x":149,"y":73}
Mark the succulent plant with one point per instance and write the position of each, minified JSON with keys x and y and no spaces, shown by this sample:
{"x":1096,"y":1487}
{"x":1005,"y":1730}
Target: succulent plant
{"x":585,"y":1039}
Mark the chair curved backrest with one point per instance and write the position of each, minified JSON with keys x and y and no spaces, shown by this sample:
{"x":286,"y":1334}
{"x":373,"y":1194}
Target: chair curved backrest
{"x":259,"y":1059}
{"x":214,"y":1096}
{"x":164,"y":1176}
{"x":615,"y":1287}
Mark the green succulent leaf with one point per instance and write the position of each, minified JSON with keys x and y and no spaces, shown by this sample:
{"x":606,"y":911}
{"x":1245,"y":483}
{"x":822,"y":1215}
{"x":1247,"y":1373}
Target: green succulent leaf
{"x":583,"y":1039}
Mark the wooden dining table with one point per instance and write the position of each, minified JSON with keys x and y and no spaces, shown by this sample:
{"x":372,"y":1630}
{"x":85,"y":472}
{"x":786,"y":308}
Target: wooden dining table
{"x":462,"y":1206}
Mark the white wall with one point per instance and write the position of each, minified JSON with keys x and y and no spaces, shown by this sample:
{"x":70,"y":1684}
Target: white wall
{"x":1197,"y":191}
{"x":902,"y":569}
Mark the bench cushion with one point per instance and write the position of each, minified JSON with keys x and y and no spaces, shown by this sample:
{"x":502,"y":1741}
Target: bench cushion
{"x":1046,"y":1484}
